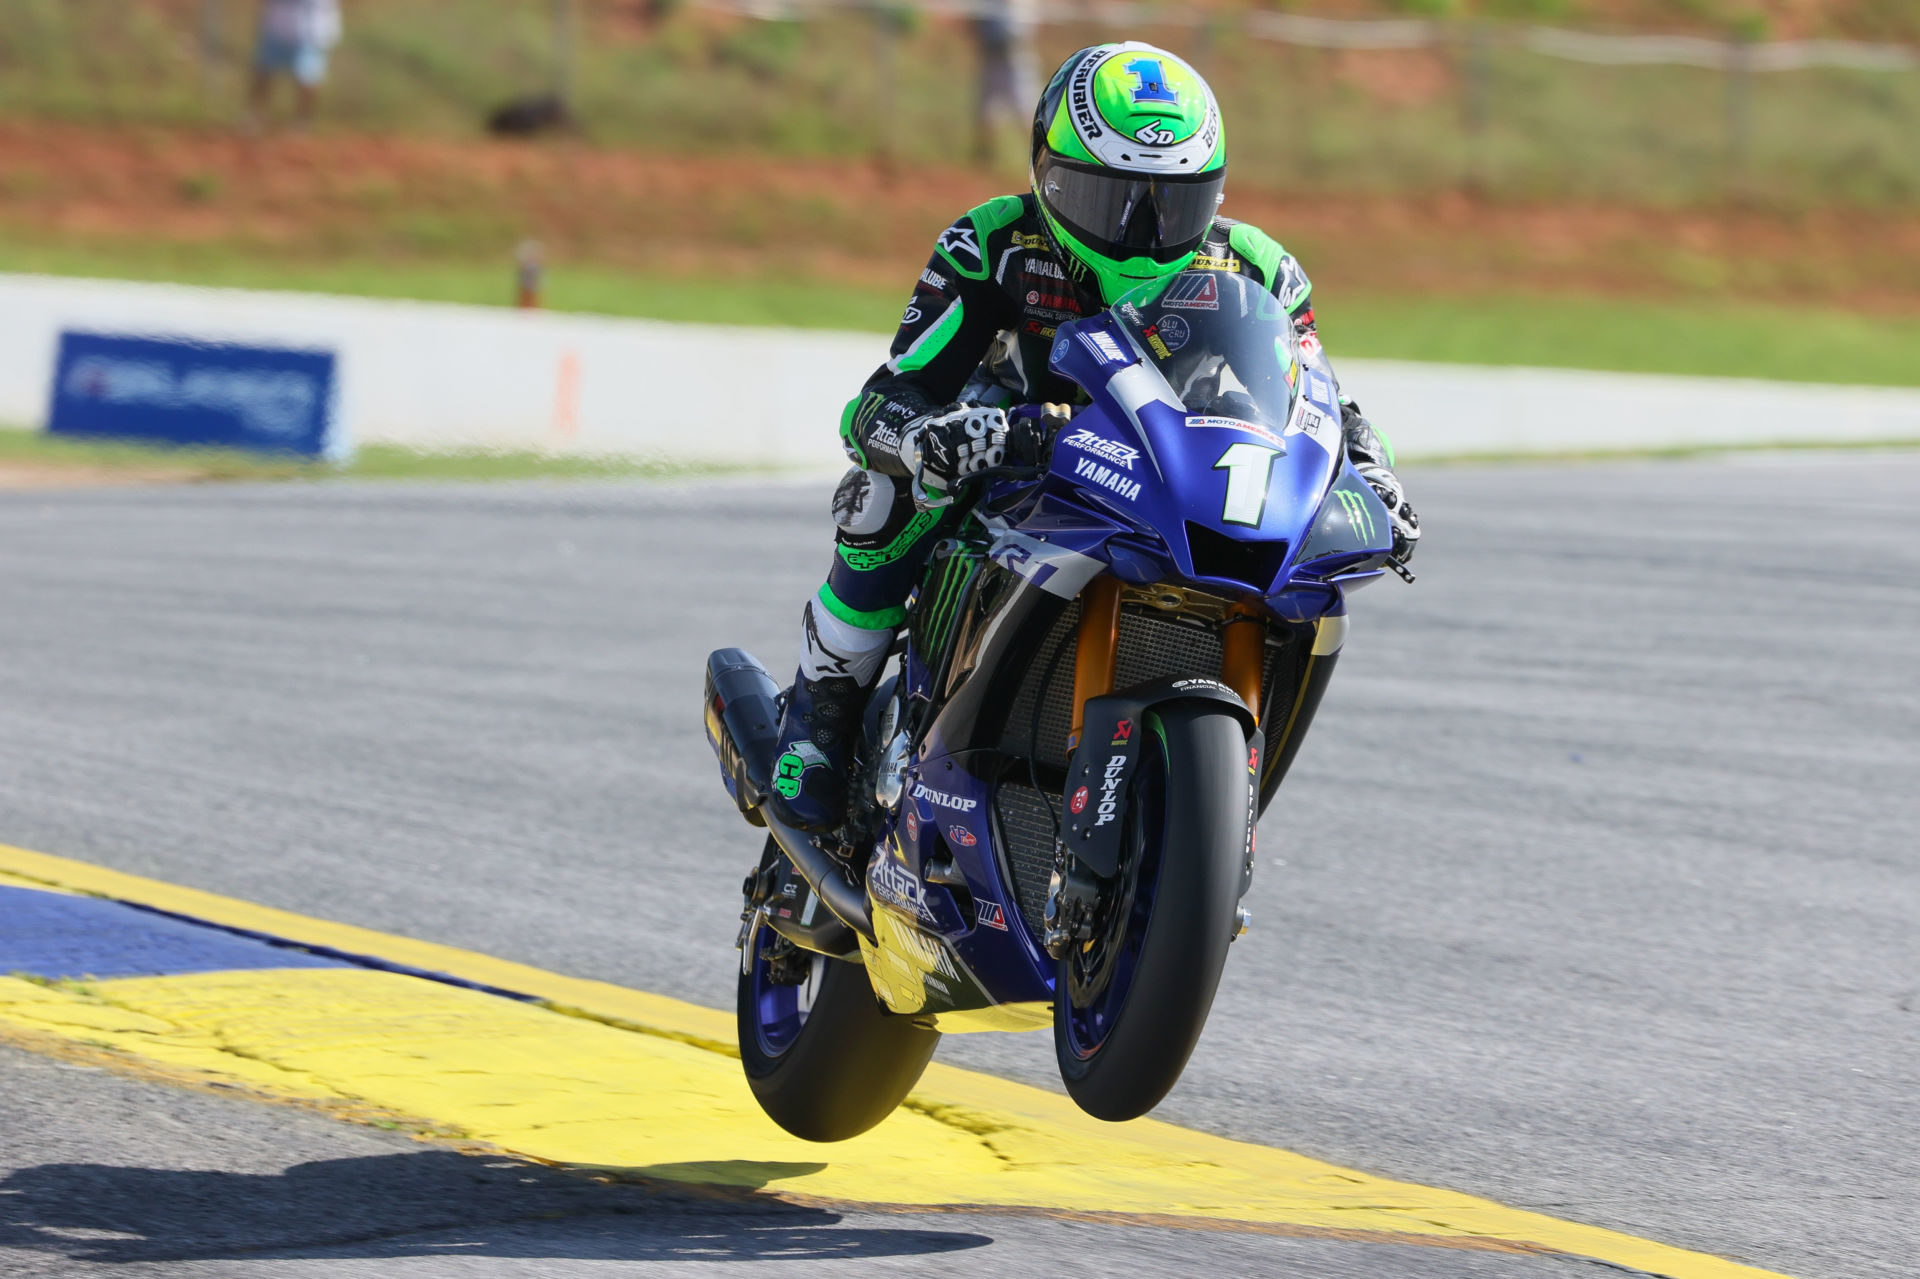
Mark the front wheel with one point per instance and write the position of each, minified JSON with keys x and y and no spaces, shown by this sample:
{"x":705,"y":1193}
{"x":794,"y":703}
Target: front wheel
{"x":824,"y":1060}
{"x":1129,"y":1004}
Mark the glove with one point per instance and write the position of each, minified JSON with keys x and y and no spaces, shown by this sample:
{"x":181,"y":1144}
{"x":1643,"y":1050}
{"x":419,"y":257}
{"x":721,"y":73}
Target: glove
{"x":1364,"y":445}
{"x":1371,"y":458}
{"x":1030,"y":438}
{"x":945,"y":448}
{"x":1406,"y":525}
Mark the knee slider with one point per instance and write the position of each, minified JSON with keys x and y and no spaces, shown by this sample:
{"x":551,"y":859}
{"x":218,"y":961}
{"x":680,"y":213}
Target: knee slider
{"x":863,"y":502}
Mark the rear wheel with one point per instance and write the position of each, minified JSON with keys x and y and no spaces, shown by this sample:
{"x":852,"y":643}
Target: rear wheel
{"x":1129,"y":1004}
{"x":824,"y":1060}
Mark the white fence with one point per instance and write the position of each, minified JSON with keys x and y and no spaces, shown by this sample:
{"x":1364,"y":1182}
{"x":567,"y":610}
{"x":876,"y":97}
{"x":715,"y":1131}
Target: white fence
{"x":439,"y":377}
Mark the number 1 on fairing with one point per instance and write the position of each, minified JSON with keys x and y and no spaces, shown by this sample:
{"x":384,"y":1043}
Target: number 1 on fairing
{"x":1249,"y":469}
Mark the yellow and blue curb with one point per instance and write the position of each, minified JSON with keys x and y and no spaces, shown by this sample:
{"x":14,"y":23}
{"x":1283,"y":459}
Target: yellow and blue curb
{"x":198,"y":988}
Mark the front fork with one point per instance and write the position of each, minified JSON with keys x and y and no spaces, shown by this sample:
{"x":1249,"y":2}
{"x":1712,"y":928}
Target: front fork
{"x":1243,"y":656}
{"x":1073,"y":895}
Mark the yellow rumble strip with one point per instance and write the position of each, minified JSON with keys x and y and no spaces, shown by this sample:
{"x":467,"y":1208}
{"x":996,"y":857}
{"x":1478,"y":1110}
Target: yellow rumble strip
{"x":593,"y":1076}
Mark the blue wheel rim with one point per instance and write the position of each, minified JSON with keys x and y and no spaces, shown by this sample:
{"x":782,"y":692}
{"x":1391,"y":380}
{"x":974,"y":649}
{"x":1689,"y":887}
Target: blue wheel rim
{"x":780,"y":1011}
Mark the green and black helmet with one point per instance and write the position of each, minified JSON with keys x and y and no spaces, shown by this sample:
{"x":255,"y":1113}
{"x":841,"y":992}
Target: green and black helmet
{"x":1128,"y":163}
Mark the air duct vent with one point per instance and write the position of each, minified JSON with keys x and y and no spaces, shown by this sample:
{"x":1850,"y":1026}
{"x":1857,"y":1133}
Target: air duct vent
{"x":1216,"y":555}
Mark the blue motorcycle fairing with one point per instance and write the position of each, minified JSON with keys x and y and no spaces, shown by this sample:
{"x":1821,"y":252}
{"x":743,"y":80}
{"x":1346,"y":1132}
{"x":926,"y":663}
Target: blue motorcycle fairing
{"x":933,"y":957}
{"x":1134,"y":481}
{"x":1163,"y":471}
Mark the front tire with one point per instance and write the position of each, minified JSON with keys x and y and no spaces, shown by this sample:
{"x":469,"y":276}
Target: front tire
{"x":824,"y":1060}
{"x":1129,"y":1006}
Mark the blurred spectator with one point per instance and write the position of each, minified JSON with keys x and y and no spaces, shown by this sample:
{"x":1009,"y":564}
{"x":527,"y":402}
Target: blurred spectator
{"x":295,"y":38}
{"x":1009,"y":80}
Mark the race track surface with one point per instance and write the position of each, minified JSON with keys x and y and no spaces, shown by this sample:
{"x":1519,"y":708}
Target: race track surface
{"x":1599,"y":897}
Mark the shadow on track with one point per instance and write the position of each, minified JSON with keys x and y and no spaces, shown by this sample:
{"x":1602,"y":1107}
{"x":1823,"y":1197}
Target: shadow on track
{"x":430,"y":1203}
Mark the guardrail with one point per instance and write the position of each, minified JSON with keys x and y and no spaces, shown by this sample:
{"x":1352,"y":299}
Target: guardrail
{"x":1733,"y":53}
{"x":432,"y":376}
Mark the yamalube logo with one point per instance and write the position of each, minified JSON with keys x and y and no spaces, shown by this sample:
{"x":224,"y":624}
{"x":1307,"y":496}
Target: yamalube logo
{"x":1101,"y":447}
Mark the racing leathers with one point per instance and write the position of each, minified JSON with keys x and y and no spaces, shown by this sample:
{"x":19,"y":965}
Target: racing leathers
{"x":974,"y":340}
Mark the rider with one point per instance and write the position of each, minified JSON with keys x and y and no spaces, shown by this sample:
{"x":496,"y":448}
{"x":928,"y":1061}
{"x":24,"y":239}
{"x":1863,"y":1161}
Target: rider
{"x":1128,"y":165}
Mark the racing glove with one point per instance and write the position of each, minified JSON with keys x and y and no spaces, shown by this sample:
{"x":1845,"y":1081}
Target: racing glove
{"x":1374,"y":463}
{"x":943,"y":449}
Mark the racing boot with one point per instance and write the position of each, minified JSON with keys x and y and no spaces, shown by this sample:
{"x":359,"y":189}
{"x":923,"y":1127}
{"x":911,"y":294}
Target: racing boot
{"x":817,"y":733}
{"x":839,"y":663}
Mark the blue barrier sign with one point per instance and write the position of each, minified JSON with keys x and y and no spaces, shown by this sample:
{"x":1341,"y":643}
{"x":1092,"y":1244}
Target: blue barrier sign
{"x":180,"y":392}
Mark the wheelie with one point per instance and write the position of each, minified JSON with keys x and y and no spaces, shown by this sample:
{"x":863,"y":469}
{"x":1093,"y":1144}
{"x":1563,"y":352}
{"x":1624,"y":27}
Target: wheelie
{"x":1093,"y":559}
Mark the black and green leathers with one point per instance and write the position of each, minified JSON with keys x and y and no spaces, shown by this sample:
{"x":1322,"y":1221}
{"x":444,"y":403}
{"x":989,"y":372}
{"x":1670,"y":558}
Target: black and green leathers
{"x":977,"y":330}
{"x":983,"y":314}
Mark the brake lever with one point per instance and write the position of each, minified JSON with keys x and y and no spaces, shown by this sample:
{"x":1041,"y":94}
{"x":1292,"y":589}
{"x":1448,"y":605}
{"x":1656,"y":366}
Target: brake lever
{"x":1400,"y":567}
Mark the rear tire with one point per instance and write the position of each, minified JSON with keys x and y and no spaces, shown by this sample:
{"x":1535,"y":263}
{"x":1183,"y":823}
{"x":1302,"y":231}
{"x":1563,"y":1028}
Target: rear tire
{"x":1122,"y":1043}
{"x":824,"y":1060}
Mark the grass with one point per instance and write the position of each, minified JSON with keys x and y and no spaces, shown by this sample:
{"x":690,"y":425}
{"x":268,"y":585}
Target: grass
{"x":1721,"y":338}
{"x":1702,"y":338}
{"x":857,"y":85}
{"x":38,"y":451}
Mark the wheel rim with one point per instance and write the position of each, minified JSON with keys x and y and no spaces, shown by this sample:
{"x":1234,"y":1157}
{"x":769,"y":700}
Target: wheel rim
{"x":781,"y":1010}
{"x":1099,"y":977}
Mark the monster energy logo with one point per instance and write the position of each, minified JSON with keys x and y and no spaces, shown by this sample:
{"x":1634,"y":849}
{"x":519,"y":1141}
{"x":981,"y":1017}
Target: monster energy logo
{"x":1358,"y":517}
{"x":955,"y":574}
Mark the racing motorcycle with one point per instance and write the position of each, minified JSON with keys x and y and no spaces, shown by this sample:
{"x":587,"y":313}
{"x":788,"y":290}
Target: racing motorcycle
{"x":1108,"y":666}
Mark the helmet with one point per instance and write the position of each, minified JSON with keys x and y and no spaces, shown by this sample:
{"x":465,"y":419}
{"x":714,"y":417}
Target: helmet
{"x":1128,"y":163}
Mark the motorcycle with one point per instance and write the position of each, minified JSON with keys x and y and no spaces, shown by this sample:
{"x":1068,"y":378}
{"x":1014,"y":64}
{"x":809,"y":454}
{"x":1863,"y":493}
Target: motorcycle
{"x":1107,"y":669}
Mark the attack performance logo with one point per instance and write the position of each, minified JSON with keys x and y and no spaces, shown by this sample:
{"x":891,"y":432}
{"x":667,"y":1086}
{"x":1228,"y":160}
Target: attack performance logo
{"x":1088,"y":441}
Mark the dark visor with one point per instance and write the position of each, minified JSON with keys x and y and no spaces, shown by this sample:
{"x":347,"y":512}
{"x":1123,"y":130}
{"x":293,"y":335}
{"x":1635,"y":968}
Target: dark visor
{"x":1130,"y":215}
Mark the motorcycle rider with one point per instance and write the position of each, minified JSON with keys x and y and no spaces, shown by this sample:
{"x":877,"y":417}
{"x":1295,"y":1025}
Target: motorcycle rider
{"x":1128,"y":166}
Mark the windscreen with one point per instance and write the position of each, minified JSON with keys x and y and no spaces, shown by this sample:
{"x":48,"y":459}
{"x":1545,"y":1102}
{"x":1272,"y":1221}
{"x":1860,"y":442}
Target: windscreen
{"x":1224,"y":344}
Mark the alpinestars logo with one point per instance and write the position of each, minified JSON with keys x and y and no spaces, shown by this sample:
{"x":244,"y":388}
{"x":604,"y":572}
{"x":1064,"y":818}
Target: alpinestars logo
{"x":820,"y":658}
{"x":1103,"y":448}
{"x":1110,"y":778}
{"x":1088,"y":469}
{"x":962,"y":245}
{"x":940,"y":799}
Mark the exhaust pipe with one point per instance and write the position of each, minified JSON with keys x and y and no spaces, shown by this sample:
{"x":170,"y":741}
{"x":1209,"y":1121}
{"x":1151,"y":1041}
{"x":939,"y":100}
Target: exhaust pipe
{"x":824,"y":875}
{"x":743,"y":728}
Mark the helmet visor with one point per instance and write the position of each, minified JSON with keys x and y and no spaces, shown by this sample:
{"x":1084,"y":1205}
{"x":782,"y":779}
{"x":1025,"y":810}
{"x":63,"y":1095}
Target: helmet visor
{"x":1129,"y":215}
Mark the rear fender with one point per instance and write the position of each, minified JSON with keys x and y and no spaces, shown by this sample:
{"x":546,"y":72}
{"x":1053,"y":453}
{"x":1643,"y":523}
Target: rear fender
{"x":1109,"y":750}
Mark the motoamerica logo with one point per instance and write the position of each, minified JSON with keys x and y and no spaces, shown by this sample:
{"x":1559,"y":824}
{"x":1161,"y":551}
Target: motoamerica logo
{"x":1088,"y":469}
{"x":940,"y":799}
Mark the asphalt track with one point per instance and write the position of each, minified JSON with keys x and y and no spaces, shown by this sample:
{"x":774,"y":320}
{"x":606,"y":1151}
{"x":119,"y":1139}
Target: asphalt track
{"x":1599,"y":897}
